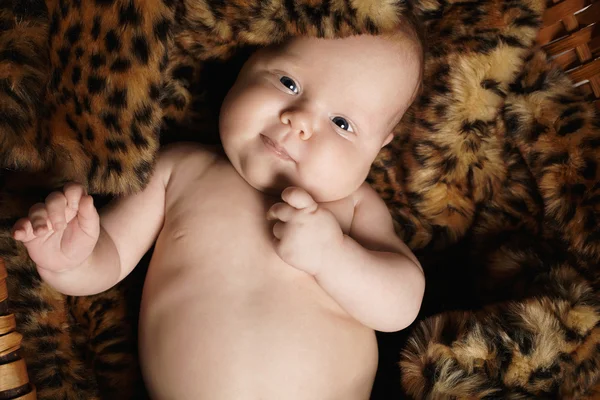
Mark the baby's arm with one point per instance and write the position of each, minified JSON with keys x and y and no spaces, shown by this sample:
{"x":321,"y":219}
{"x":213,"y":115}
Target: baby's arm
{"x":375,"y":277}
{"x":126,"y":229}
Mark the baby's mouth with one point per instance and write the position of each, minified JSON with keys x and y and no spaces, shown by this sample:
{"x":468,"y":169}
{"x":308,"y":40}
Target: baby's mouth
{"x":278,"y":150}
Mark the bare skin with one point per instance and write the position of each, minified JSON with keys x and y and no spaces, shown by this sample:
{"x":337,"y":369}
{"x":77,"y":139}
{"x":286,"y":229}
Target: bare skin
{"x":260,"y":329}
{"x":267,"y":281}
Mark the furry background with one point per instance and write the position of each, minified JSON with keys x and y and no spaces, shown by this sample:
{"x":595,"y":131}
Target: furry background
{"x":492,"y":180}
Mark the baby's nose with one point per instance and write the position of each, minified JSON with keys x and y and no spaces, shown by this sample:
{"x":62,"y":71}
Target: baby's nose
{"x":300,"y":121}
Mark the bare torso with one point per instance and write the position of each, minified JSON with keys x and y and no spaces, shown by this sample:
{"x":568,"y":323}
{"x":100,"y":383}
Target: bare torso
{"x":228,"y":317}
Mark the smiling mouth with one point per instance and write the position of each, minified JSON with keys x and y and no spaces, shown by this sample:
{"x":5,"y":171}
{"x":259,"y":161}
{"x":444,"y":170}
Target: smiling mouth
{"x":275,"y":148}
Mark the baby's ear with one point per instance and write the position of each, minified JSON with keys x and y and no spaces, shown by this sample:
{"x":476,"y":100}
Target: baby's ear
{"x":388,"y":139}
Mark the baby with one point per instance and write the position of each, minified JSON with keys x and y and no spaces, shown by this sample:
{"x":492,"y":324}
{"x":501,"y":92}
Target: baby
{"x":274,"y":262}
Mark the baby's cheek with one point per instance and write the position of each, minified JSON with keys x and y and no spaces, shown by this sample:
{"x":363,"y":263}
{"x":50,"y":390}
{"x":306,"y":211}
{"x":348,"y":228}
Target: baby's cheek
{"x":327,"y":181}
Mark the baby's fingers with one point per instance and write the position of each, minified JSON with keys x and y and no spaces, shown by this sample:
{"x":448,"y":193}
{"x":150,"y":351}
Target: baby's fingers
{"x":281,"y":211}
{"x":299,"y":199}
{"x":56,"y":204}
{"x":23,"y":230}
{"x":278,"y":229}
{"x":88,"y":218}
{"x":74,"y":192}
{"x":38,"y":214}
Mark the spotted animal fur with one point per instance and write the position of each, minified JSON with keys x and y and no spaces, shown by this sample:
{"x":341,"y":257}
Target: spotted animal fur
{"x":492,"y":178}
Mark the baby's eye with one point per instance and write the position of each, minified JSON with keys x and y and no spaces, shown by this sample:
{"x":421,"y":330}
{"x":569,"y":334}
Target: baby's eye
{"x":289,"y":84}
{"x":342,"y":123}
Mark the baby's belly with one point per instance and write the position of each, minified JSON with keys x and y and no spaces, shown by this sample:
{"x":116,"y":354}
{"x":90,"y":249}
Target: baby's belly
{"x":226,"y":329}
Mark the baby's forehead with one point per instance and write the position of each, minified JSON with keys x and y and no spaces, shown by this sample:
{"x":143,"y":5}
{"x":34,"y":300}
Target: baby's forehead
{"x":386,"y":67}
{"x":360,"y":55}
{"x":352,"y":47}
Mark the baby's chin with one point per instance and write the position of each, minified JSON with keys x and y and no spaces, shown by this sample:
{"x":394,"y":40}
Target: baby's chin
{"x":274,"y":189}
{"x":320,"y":196}
{"x":327,"y":196}
{"x":268,"y":183}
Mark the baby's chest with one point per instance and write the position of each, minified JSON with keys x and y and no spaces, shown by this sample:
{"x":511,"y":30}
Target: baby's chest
{"x":219,"y":219}
{"x":225,"y":209}
{"x":217,"y":235}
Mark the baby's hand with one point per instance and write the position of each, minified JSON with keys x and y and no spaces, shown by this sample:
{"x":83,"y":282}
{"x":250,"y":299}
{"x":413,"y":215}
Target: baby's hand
{"x":61,"y":233}
{"x":306,"y":235}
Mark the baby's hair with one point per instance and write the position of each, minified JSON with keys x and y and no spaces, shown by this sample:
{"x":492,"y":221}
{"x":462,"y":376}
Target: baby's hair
{"x":411,"y":27}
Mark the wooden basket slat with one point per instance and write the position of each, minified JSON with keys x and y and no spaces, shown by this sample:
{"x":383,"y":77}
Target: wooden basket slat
{"x":586,"y":71}
{"x":590,"y":14}
{"x":556,"y":13}
{"x":570,"y":59}
{"x":571,"y":36}
{"x":567,"y":60}
{"x":553,"y":28}
{"x":578,"y":38}
{"x":594,"y":46}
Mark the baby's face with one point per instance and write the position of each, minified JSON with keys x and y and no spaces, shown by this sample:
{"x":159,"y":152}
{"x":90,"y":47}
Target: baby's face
{"x":314,"y":113}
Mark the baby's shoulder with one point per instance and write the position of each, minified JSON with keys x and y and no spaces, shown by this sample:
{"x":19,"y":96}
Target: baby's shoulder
{"x":186,"y":153}
{"x":185,"y":150}
{"x":364,"y":194}
{"x":185,"y":161}
{"x":369,"y":207}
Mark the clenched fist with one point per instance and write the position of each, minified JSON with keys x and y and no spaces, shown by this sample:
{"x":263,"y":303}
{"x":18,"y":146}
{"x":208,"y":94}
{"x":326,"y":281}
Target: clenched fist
{"x":61,"y":233}
{"x":306,"y":235}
